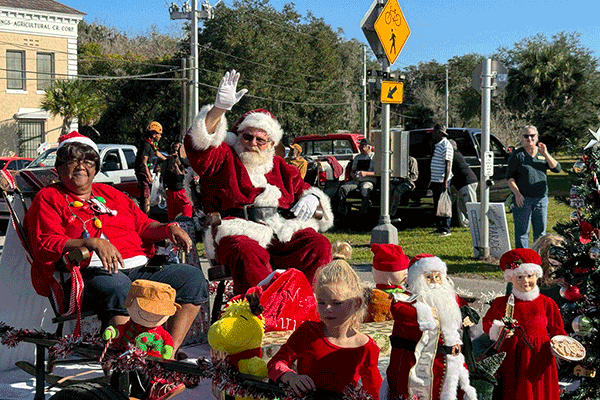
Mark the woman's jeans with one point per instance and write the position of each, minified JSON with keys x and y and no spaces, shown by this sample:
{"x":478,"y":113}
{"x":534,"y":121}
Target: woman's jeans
{"x":534,"y":209}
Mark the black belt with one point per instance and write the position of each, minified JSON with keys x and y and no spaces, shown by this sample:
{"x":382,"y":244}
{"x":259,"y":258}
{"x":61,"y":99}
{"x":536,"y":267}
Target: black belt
{"x":407,"y":344}
{"x":254,"y":213}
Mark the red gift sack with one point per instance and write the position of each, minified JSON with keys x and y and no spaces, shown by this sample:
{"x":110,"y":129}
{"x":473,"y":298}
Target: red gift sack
{"x":288,"y":300}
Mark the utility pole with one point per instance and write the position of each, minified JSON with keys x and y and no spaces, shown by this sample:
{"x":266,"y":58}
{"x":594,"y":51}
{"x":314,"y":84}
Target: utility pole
{"x":364,"y":93}
{"x":447,"y":93}
{"x":192,"y":14}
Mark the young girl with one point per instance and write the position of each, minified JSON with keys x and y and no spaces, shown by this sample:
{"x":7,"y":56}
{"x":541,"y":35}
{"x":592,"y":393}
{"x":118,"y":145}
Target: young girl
{"x":529,"y":370}
{"x":331,"y":354}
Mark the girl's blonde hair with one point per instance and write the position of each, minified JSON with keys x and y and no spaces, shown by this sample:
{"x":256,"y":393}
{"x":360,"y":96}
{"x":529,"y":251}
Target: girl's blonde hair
{"x":542,"y":246}
{"x":339,"y":272}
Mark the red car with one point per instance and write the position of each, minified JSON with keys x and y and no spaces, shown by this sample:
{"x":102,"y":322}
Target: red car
{"x":14,"y":163}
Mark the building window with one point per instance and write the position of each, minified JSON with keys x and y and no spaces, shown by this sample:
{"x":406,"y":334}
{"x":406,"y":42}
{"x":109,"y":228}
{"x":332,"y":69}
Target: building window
{"x":15,"y":69}
{"x":31,"y":135}
{"x":45,"y":70}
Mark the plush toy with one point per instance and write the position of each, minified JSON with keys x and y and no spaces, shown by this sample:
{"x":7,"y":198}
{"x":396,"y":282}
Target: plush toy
{"x":239,"y":333}
{"x":389,"y":270}
{"x":149,"y":304}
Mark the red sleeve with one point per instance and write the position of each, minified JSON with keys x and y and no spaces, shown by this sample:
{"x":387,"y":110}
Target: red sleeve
{"x":369,"y":370}
{"x":555,"y":321}
{"x":209,"y":160}
{"x":282,"y":361}
{"x":43,"y":225}
{"x":496,"y":311}
{"x":405,"y":321}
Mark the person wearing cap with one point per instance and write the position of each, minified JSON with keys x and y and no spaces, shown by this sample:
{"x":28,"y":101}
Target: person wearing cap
{"x":362,"y":175}
{"x":173,"y":177}
{"x":441,"y":173}
{"x":269,"y":212}
{"x":148,"y":148}
{"x":529,"y":370}
{"x":427,"y":335}
{"x":297,"y":161}
{"x":75,"y":213}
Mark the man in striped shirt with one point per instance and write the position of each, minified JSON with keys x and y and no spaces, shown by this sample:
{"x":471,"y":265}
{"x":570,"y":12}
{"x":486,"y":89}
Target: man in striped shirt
{"x":441,"y":173}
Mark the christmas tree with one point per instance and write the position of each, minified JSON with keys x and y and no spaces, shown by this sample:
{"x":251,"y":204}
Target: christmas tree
{"x":579,"y":272}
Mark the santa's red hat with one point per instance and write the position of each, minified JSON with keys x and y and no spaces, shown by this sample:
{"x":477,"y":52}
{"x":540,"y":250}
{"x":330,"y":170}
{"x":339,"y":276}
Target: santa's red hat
{"x":521,"y":262}
{"x":422,"y":264}
{"x":79,"y":138}
{"x":261,"y":119}
{"x":388,"y":262}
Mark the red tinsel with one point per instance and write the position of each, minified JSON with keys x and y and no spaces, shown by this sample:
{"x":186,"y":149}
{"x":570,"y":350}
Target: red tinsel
{"x":222,"y":373}
{"x":588,"y":232}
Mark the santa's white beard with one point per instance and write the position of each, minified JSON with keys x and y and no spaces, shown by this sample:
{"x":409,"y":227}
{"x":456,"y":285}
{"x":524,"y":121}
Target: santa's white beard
{"x":443,"y":299}
{"x":255,"y":160}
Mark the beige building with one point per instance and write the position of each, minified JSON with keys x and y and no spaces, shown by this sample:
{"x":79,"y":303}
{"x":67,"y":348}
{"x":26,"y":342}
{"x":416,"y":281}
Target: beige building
{"x":38,"y":43}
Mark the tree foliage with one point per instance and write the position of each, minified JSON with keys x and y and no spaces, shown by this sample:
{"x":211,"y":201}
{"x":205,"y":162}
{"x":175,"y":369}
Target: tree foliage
{"x":555,"y":85}
{"x":73,"y":99}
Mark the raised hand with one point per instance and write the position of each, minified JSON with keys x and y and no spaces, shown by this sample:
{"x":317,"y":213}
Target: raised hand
{"x":227,"y":96}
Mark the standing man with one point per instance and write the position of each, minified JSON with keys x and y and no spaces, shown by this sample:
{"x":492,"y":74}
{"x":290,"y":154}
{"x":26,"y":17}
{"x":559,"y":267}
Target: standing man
{"x":297,"y":161}
{"x":441,"y":173}
{"x":146,"y":150}
{"x":527,"y":180}
{"x":362,"y":175}
{"x":465,"y":182}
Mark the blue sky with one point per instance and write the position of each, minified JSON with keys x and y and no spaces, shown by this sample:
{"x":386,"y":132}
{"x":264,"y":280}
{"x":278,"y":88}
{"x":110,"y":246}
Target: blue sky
{"x":440,"y":29}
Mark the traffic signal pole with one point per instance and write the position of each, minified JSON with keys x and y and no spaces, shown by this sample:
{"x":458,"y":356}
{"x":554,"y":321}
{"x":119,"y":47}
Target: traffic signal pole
{"x":385,"y":232}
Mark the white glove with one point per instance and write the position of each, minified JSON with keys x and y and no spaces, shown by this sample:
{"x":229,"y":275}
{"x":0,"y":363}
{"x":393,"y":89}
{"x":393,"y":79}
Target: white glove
{"x":305,"y":207}
{"x":227,"y":96}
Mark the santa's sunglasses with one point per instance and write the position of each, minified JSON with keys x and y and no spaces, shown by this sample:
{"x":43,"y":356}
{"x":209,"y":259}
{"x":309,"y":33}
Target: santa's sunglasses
{"x":259,"y":141}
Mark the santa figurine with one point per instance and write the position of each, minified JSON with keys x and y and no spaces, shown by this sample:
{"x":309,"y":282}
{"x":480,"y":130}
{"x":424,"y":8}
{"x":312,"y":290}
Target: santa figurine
{"x":271,"y":217}
{"x":390,"y":266}
{"x":522,"y":324}
{"x":426,"y":359}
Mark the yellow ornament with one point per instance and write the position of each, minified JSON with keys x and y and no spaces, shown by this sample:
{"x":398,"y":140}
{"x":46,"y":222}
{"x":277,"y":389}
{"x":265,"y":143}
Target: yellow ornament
{"x":98,"y":223}
{"x":77,"y":204}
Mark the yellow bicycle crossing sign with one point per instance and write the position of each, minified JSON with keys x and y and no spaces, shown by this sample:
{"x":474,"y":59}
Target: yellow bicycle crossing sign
{"x":392,"y":30}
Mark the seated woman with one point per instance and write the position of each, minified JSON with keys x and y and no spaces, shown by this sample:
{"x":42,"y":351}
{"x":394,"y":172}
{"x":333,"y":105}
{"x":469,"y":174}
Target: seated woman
{"x":78,"y":213}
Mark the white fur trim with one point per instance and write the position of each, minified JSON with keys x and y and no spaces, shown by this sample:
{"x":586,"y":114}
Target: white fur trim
{"x":451,"y":336}
{"x":523,"y":269}
{"x":495,"y":329}
{"x":80,"y":139}
{"x":425,"y":265}
{"x":237,"y":226}
{"x":285,"y":228}
{"x":263,"y":121}
{"x":269,"y":198}
{"x":424,"y":316}
{"x":230,"y":138}
{"x":327,"y":221}
{"x":201,"y":139}
{"x":527,"y":296}
{"x":456,"y":375}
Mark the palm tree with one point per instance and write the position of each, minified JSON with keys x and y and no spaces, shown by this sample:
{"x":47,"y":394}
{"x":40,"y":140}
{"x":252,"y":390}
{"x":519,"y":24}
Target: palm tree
{"x":73,"y":99}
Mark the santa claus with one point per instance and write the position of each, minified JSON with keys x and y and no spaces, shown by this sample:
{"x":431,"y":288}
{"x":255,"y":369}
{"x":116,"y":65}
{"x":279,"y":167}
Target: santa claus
{"x":426,"y":359}
{"x":268,"y":210}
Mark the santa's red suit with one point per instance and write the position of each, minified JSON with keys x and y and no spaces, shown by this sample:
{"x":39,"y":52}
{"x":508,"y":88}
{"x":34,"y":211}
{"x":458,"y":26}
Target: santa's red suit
{"x":412,"y":317}
{"x":252,"y":249}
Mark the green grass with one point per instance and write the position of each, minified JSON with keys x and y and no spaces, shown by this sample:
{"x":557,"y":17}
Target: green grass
{"x":457,"y":249}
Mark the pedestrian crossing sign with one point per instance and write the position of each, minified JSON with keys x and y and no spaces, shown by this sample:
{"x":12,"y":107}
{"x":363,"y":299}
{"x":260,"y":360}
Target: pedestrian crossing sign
{"x":392,"y":30}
